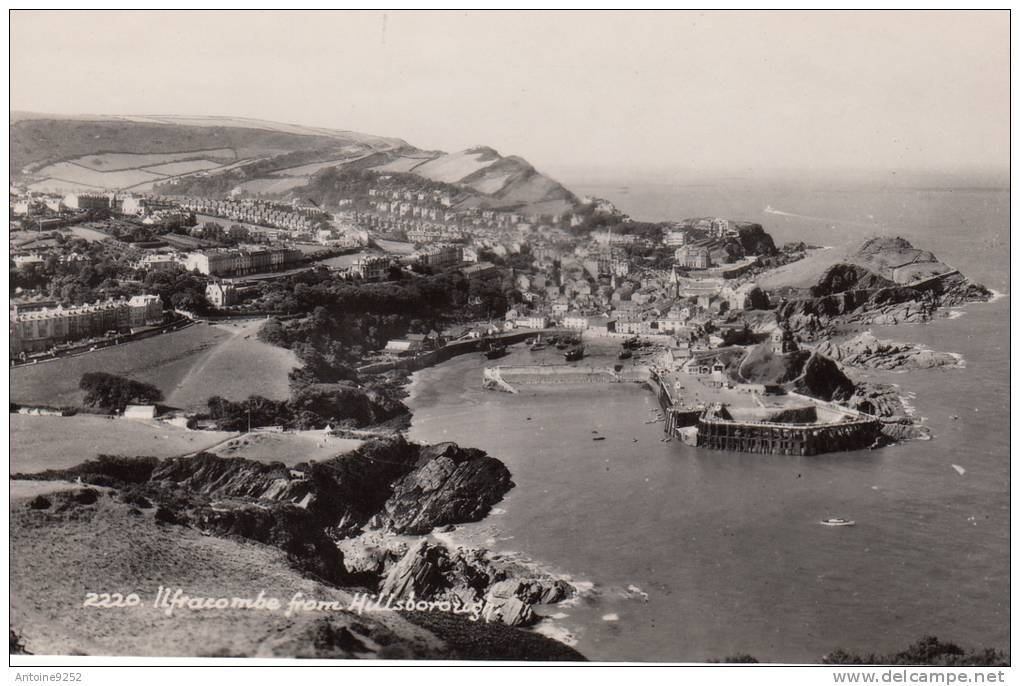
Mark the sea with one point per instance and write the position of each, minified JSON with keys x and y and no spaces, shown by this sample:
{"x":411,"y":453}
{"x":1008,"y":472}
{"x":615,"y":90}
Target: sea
{"x":685,"y":554}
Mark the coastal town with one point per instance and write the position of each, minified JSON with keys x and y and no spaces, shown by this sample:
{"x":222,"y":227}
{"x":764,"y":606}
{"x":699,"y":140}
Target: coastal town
{"x":510,"y":338}
{"x":90,"y":270}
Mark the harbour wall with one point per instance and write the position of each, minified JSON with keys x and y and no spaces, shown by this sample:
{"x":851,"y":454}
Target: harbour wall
{"x":453,"y":349}
{"x":857,"y":432}
{"x":506,"y":378}
{"x":787,"y":439}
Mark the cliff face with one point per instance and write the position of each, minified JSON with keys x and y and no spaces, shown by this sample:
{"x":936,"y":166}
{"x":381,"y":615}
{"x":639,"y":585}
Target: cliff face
{"x":504,"y":591}
{"x":398,"y":486}
{"x":311,"y":513}
{"x":448,"y":485}
{"x":120,"y":538}
{"x":812,"y":318}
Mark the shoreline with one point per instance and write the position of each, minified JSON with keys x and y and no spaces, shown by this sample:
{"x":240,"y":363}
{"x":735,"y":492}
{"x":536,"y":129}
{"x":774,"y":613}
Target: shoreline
{"x":548,"y":625}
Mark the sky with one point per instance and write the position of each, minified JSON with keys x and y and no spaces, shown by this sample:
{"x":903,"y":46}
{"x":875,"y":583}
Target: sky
{"x":568,"y":91}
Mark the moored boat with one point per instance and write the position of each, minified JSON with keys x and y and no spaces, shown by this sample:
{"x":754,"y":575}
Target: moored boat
{"x":495,"y":351}
{"x":574,"y":354}
{"x":837,"y":521}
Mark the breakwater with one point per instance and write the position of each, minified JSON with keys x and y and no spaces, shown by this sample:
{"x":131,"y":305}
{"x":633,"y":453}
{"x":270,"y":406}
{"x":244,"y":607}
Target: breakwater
{"x":787,"y":439}
{"x":506,"y":378}
{"x":814,"y":426}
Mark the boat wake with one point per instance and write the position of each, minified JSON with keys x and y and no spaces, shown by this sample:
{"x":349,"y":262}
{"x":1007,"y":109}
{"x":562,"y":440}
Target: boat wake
{"x":828,"y":220}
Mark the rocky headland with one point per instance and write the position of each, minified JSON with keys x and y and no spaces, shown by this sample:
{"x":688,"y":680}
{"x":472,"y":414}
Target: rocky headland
{"x":884,"y":281}
{"x":349,"y":527}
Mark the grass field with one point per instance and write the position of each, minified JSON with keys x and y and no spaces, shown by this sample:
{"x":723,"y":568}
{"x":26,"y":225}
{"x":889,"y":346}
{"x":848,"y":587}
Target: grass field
{"x":39,"y":442}
{"x":187,"y":365}
{"x":185,"y":167}
{"x":290,"y":448}
{"x":105,"y":548}
{"x":65,"y":171}
{"x":276,"y":185}
{"x":806,"y":272}
{"x":116,"y":161}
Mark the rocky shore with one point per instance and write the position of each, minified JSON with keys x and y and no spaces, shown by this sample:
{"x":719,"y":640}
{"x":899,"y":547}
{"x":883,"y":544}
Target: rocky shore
{"x":869,"y":352}
{"x":350,"y":526}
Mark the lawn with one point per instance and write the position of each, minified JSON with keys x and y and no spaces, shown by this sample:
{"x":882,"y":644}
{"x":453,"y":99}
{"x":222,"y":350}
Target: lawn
{"x":188,"y":366}
{"x":290,"y":447}
{"x":47,"y":442}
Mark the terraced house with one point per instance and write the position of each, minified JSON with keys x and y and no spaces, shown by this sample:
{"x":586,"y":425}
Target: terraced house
{"x":37,"y":327}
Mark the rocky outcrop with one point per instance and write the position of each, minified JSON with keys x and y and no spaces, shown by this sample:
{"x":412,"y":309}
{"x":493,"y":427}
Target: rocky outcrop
{"x":108,"y":538}
{"x":754,"y":240}
{"x":448,"y":485}
{"x":282,"y":526}
{"x":840,"y":278}
{"x":821,"y":378}
{"x":865,"y":350}
{"x":504,"y":591}
{"x":802,"y":371}
{"x":814,"y":318}
{"x":878,"y":399}
{"x":884,"y":281}
{"x":392,"y":483}
{"x":302,"y":510}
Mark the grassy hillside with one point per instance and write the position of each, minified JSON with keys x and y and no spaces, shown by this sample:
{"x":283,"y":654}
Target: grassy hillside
{"x":184,"y":365}
{"x":214,"y":155}
{"x":885,"y":260}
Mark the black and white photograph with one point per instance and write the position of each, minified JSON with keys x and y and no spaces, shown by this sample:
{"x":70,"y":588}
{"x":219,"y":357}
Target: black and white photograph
{"x":511,"y":337}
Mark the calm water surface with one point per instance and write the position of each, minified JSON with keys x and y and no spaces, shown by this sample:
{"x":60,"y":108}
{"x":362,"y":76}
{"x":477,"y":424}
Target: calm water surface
{"x":727,"y":546}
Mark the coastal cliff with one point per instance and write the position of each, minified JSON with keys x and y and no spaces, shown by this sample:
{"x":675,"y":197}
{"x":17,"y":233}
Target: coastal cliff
{"x":883,"y":281}
{"x":298,"y":516}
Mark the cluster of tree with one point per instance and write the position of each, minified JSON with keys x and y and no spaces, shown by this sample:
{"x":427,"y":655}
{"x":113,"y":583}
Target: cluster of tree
{"x":928,"y":651}
{"x":311,"y":407}
{"x":517,"y":260}
{"x":344,"y":321}
{"x":177,"y":289}
{"x":114,"y":393}
{"x":96,"y":271}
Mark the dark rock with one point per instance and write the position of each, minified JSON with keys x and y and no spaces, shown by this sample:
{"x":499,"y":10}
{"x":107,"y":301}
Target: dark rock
{"x":135,"y":499}
{"x":448,"y":485}
{"x":86,"y":496}
{"x":17,"y":644}
{"x":40,"y":502}
{"x":284,"y":526}
{"x":508,"y":590}
{"x":165,"y":515}
{"x":865,"y":350}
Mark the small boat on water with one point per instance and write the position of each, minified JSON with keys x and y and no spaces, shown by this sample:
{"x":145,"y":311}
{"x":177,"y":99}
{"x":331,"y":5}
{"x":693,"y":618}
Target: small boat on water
{"x":625,"y":355}
{"x":574,"y":355}
{"x":495,"y":351}
{"x":537,"y":344}
{"x":837,"y":521}
{"x":599,"y":438}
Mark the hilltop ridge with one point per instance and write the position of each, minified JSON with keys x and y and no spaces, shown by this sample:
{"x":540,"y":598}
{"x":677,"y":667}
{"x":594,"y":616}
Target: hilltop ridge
{"x":147,"y":153}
